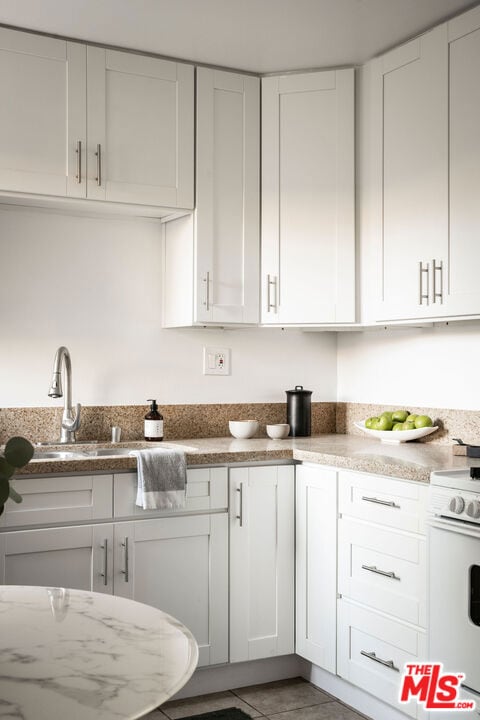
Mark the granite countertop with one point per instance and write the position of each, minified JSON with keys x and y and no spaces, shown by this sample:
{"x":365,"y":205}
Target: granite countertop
{"x":408,"y":461}
{"x":75,"y":654}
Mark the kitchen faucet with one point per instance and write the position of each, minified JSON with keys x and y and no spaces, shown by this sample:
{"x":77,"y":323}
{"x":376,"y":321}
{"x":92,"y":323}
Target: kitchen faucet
{"x":70,"y":420}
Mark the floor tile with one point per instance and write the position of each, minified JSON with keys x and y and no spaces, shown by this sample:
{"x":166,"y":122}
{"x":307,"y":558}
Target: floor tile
{"x":155,"y":715}
{"x":205,"y":703}
{"x":326,"y":711}
{"x":277,"y":697}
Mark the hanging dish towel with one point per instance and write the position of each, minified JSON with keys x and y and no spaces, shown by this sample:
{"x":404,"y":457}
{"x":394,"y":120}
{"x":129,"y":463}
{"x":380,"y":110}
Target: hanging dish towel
{"x":162,"y":477}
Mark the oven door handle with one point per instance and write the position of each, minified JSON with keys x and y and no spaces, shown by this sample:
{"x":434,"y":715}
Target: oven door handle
{"x":454,"y":526}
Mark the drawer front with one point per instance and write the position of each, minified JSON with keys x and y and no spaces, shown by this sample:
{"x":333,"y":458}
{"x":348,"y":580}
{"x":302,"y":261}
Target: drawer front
{"x":62,"y":499}
{"x":383,"y":569}
{"x":395,"y":503}
{"x":207,"y":489}
{"x":366,"y":638}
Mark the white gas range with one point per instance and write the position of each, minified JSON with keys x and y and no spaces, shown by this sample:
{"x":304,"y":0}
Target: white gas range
{"x":454,"y":573}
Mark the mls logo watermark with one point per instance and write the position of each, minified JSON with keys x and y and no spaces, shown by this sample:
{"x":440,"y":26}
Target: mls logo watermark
{"x":433,"y":688}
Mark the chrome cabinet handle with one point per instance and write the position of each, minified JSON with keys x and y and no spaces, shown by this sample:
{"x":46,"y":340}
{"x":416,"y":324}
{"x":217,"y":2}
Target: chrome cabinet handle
{"x":437,"y":268}
{"x":125,"y":570}
{"x":374,"y":569}
{"x":372,"y":656}
{"x":104,"y":574}
{"x":423,"y":296}
{"x":377,"y":501}
{"x":98,"y":155}
{"x":240,"y":516}
{"x":206,"y":301}
{"x":79,"y":161}
{"x":271,"y":281}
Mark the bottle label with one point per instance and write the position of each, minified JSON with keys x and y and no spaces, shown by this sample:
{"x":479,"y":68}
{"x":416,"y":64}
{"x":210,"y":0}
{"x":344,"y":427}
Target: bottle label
{"x":153,"y":429}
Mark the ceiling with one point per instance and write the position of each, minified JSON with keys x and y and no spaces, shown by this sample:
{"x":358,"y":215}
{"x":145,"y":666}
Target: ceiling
{"x":257,"y":35}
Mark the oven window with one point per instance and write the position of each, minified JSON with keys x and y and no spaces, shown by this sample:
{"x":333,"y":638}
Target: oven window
{"x":475,"y":594}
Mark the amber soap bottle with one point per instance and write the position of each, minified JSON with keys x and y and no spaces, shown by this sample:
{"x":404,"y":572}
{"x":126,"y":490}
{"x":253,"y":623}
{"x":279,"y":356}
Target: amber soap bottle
{"x":153,"y":425}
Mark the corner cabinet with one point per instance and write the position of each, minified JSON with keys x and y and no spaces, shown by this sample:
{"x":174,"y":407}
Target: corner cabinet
{"x":211,"y":258}
{"x":308,"y":199}
{"x":86,"y":122}
{"x":262,"y":540}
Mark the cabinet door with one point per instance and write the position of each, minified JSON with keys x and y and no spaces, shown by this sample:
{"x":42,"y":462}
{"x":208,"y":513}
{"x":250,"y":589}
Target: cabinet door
{"x":308,"y":224}
{"x":316,"y":565}
{"x":227,"y":218}
{"x":68,"y":557}
{"x":43,"y":117}
{"x":410,"y":98}
{"x":179,"y":565}
{"x":459,"y":284}
{"x":261,"y":562}
{"x":140,"y":121}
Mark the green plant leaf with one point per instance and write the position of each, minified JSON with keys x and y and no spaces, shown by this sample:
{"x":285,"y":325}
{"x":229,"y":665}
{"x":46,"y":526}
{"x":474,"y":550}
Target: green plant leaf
{"x":4,"y":490}
{"x":15,"y":496}
{"x":6,"y":470}
{"x":18,"y":452}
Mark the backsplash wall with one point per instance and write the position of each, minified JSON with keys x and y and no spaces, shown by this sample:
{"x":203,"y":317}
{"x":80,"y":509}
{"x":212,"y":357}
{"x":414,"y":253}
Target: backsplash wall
{"x":94,"y":284}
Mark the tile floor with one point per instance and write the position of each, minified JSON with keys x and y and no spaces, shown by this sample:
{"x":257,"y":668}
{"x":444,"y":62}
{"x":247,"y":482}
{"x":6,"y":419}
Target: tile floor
{"x":293,"y":699}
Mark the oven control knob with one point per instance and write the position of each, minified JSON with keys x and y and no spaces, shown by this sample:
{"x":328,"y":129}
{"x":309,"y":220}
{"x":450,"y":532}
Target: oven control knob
{"x":473,"y":509}
{"x":457,"y":505}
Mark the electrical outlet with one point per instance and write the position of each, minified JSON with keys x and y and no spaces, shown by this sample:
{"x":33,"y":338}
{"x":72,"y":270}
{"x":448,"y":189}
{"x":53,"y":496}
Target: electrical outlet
{"x":216,"y":361}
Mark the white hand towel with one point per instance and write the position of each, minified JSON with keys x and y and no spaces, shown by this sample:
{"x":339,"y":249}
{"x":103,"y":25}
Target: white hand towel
{"x":162,"y":476}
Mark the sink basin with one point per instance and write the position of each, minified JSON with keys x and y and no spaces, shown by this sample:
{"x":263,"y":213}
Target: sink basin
{"x":55,"y":455}
{"x":107,"y":452}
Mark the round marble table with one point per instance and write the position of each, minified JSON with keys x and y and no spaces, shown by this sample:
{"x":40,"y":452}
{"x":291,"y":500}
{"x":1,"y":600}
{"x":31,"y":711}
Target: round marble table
{"x":75,"y":655}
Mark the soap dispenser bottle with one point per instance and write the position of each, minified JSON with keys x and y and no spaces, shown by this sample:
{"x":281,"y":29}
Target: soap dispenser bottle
{"x":153,"y":426}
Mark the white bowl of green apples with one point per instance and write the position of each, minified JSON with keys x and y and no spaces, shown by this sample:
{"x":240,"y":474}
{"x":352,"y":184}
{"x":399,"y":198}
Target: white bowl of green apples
{"x":397,"y":426}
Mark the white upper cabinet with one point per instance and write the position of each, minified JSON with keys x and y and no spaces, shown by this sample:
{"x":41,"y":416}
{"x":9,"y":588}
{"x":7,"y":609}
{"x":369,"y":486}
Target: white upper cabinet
{"x":410,"y":125}
{"x":140,"y":129}
{"x":460,"y":284}
{"x":95,"y":123}
{"x":42,"y":117}
{"x":308,"y":217}
{"x":211,"y":258}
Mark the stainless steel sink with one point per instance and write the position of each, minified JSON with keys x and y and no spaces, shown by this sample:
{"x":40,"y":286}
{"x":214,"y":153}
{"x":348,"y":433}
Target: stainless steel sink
{"x":107,"y":452}
{"x":56,"y":455}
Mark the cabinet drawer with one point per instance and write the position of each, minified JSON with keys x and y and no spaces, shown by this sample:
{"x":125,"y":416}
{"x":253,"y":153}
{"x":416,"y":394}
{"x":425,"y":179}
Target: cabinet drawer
{"x":396,"y":503}
{"x":383,"y":569}
{"x":366,"y":638}
{"x":206,"y":490}
{"x":63,"y":499}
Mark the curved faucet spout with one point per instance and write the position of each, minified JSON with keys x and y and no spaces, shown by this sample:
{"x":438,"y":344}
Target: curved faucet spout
{"x":70,"y":420}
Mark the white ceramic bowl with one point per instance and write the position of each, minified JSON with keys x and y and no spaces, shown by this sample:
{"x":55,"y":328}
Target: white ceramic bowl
{"x":243,"y":429}
{"x":395,"y":437}
{"x":279,"y":431}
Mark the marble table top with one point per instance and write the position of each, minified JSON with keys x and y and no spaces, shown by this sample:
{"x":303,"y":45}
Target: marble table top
{"x":75,"y":655}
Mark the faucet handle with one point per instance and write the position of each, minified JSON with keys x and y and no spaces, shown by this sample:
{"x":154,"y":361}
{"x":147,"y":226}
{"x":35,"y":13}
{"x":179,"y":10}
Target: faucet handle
{"x":73,"y":425}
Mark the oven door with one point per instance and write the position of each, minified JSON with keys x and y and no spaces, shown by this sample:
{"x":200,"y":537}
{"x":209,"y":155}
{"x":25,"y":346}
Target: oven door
{"x":454,"y":599}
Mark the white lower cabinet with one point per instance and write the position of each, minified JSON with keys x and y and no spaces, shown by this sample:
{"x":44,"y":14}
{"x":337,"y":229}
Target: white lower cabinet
{"x":71,"y":557}
{"x":316,"y":565}
{"x":373,"y":649}
{"x":261,"y":562}
{"x":179,"y":565}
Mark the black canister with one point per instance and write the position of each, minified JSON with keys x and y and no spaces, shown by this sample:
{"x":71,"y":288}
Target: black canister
{"x":299,"y":411}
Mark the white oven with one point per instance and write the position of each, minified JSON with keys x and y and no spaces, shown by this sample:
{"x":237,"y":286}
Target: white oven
{"x":454,"y":574}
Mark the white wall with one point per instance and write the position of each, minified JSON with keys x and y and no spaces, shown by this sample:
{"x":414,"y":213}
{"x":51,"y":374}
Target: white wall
{"x":432,"y":367}
{"x":93,"y":284}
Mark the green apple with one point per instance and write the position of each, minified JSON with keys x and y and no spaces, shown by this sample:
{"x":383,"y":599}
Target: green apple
{"x":411,"y":418}
{"x":407,"y":425}
{"x":400,"y":415}
{"x":369,"y":422}
{"x":398,"y":426}
{"x":388,"y":414}
{"x":422,"y":421}
{"x":382,"y":423}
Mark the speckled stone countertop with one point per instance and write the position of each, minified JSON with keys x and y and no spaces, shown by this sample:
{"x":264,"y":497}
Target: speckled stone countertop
{"x":409,"y":461}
